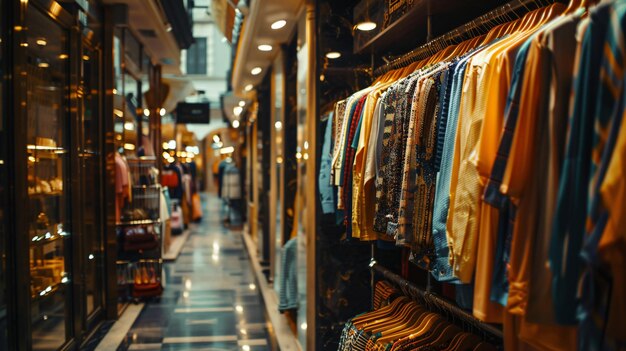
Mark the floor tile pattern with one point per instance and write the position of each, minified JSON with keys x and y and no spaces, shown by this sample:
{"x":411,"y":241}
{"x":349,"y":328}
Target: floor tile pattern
{"x":210,"y":301}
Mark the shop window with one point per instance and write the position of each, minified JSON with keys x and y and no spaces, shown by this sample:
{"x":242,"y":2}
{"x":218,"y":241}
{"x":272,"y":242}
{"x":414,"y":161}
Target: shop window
{"x":197,"y":57}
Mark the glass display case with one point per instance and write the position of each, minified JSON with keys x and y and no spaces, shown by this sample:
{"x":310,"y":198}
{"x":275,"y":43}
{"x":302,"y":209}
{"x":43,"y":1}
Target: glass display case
{"x":46,"y":80}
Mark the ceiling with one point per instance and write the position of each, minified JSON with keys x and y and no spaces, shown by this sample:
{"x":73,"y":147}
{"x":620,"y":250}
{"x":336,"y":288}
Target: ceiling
{"x":148,"y":22}
{"x":256,"y":31}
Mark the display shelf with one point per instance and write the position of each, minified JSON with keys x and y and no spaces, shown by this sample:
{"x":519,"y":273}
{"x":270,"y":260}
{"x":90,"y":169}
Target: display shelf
{"x":34,"y":196}
{"x":42,"y":240}
{"x":45,"y":152}
{"x":138,"y":222}
{"x":50,"y":291}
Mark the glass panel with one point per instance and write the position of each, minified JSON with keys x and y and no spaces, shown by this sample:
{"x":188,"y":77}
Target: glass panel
{"x":46,"y":77}
{"x":3,"y":196}
{"x":90,"y":182}
{"x":118,"y":92}
{"x":278,"y":161}
{"x":302,"y":157}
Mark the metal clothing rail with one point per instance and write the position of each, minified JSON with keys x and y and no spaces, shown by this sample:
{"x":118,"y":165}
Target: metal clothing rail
{"x":439,"y":305}
{"x":479,"y":26}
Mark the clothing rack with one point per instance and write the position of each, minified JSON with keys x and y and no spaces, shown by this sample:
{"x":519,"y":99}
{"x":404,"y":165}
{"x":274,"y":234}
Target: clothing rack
{"x":437,"y":304}
{"x":479,"y":26}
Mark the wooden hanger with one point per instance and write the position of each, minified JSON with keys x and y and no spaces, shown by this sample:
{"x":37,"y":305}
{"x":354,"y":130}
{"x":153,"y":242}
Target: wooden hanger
{"x":390,"y":321}
{"x":423,"y":336}
{"x":449,"y":333}
{"x":416,"y":317}
{"x":430,"y":321}
{"x":396,"y":303}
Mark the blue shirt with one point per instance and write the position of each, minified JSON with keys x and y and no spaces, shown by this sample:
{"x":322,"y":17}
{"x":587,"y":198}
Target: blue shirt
{"x":326,"y":190}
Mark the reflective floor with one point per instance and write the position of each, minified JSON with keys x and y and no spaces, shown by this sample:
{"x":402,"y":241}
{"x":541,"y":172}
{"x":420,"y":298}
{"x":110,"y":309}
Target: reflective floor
{"x":210,"y":301}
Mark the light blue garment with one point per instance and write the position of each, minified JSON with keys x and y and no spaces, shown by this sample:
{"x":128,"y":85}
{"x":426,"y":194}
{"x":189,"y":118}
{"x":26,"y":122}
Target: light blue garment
{"x":441,"y":269}
{"x":288,"y":294}
{"x":326,"y":190}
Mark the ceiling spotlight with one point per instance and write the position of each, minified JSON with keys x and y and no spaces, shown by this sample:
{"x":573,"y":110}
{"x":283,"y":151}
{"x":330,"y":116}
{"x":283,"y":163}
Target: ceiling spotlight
{"x":42,"y":42}
{"x":43,"y":65}
{"x":265,"y":47}
{"x":63,"y":56}
{"x":242,"y":103}
{"x":256,"y":71}
{"x":129,"y":126}
{"x":146,"y":112}
{"x":248,"y":87}
{"x":162,"y":112}
{"x":366,"y":26}
{"x":333,"y":55}
{"x":235,"y":124}
{"x":278,"y":24}
{"x":85,"y":57}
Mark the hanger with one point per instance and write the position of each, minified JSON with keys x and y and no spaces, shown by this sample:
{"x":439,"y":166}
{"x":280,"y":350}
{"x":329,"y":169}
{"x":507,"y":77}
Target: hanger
{"x":368,"y":317}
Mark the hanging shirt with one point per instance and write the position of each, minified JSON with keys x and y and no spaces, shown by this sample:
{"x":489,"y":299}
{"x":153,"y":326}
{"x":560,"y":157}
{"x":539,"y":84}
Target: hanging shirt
{"x":326,"y":190}
{"x":569,"y":221}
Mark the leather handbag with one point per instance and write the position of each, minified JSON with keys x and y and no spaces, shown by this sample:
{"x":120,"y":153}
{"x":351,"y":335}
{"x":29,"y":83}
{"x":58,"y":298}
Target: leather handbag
{"x":169,"y":179}
{"x":176,"y":220}
{"x":139,"y":239}
{"x":196,"y":207}
{"x":147,"y":290}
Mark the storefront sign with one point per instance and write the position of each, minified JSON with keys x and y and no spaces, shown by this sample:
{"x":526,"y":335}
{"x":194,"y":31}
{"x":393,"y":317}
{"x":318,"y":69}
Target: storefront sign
{"x":193,"y":112}
{"x":395,"y":9}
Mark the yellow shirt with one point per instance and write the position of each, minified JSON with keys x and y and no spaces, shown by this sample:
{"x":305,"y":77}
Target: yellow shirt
{"x":362,"y":224}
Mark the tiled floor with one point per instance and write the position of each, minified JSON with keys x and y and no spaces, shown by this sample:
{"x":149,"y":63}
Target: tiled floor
{"x":210,"y":300}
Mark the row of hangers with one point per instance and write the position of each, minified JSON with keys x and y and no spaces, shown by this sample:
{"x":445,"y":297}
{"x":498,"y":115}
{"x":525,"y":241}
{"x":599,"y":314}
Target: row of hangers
{"x":481,"y":31}
{"x":435,"y":303}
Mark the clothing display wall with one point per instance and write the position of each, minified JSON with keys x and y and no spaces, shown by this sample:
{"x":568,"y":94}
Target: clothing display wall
{"x":498,"y":161}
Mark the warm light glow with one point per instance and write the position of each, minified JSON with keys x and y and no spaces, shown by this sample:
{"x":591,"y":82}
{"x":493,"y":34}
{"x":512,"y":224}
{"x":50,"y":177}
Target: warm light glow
{"x":278,"y":24}
{"x":114,"y":91}
{"x":43,"y":65}
{"x":85,"y":57}
{"x":237,"y":110}
{"x":146,"y":112}
{"x":41,"y":42}
{"x":245,"y":347}
{"x":242,"y":103}
{"x":162,"y":112}
{"x":303,"y":326}
{"x":248,"y":87}
{"x":129,"y":146}
{"x":129,"y":126}
{"x":278,"y":125}
{"x":239,"y":308}
{"x":165,"y":145}
{"x":227,"y":150}
{"x":118,"y":113}
{"x":24,"y":45}
{"x":235,"y":124}
{"x":279,"y":159}
{"x":172,"y":144}
{"x":366,"y":26}
{"x":265,"y":47}
{"x":256,"y":71}
{"x":216,"y":138}
{"x":333,"y":55}
{"x":166,"y":155}
{"x":63,"y":56}
{"x":252,"y":287}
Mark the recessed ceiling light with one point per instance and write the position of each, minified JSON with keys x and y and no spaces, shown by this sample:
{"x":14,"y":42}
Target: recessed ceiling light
{"x":256,"y":71}
{"x":248,"y":87}
{"x":278,"y":24}
{"x":242,"y":103}
{"x":333,"y":55}
{"x":265,"y":47}
{"x":235,"y":124}
{"x":146,"y":112}
{"x":43,"y":65}
{"x":162,"y":112}
{"x":63,"y":56}
{"x":366,"y":26}
{"x":42,"y":42}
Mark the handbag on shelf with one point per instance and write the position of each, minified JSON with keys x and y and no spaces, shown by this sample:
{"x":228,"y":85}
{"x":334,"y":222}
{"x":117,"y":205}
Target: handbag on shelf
{"x":169,"y":179}
{"x":139,"y":239}
{"x":176,"y":220}
{"x":196,"y":207}
{"x":147,"y":290}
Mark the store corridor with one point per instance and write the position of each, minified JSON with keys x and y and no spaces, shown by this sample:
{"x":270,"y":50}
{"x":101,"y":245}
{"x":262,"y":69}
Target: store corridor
{"x":210,"y":300}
